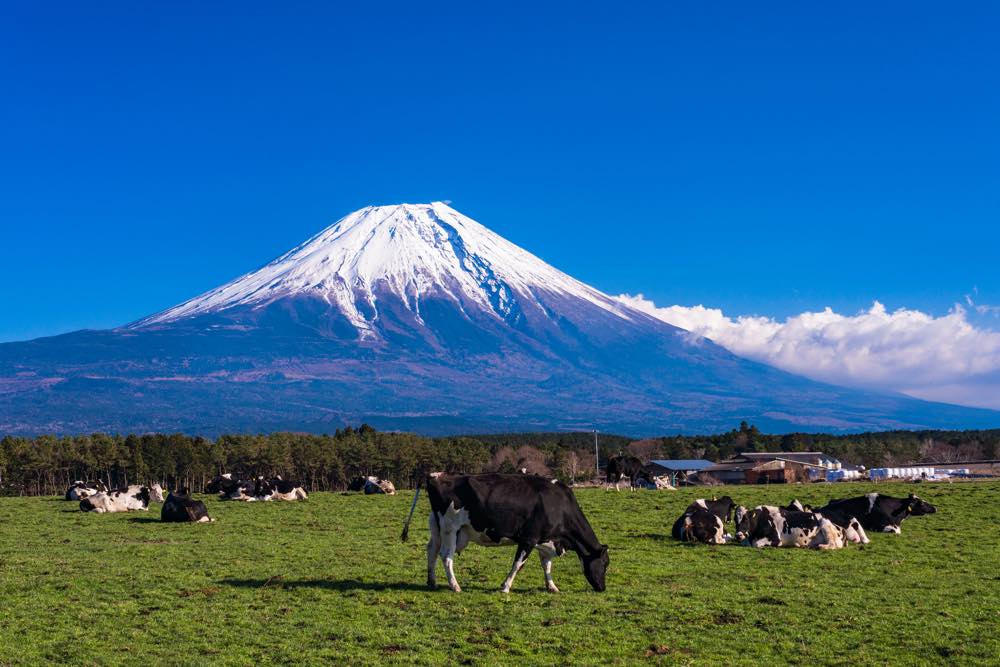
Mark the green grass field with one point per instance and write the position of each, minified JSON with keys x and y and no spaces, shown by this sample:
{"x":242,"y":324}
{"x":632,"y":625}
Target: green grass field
{"x":327,"y":581}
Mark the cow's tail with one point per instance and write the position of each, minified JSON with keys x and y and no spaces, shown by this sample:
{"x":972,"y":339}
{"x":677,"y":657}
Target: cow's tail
{"x":413,"y":506}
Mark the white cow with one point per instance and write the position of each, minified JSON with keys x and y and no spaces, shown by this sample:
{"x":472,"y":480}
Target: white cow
{"x":133,"y":498}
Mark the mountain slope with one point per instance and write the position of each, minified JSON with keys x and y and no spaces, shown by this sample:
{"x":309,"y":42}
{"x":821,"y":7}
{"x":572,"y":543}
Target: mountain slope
{"x":417,"y":317}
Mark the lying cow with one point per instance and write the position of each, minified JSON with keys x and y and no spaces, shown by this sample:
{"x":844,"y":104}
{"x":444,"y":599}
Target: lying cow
{"x":130,"y":499}
{"x":720,"y":507}
{"x":496,"y":509}
{"x":796,"y":506}
{"x":878,"y":512}
{"x":853,"y":530}
{"x":231,"y":489}
{"x":777,"y":527}
{"x":700,"y":525}
{"x":182,"y":508}
{"x":80,"y":490}
{"x":276,"y":488}
{"x":621,"y":468}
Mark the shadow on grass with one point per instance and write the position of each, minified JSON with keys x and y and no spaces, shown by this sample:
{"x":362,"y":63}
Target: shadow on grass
{"x":326,"y":584}
{"x":144,"y":519}
{"x":654,"y":536}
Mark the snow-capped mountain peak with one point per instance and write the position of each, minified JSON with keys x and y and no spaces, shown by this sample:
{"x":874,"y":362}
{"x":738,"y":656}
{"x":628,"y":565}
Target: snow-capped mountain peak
{"x":407,"y":251}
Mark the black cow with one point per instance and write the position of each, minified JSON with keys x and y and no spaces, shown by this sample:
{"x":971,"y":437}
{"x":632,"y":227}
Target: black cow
{"x":623,"y":467}
{"x":496,"y":509}
{"x":229,"y":488}
{"x":720,"y":507}
{"x":878,"y":512}
{"x":700,"y":525}
{"x":182,"y":508}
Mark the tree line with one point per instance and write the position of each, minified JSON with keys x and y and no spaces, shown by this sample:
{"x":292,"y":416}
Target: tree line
{"x":47,"y":465}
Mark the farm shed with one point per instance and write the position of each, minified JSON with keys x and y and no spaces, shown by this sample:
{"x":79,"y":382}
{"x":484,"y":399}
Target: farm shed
{"x":678,"y":470}
{"x":773,"y":467}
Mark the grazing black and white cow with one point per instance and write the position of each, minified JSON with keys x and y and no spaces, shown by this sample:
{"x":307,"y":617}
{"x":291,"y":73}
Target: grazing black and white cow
{"x":80,"y":490}
{"x":229,"y":488}
{"x":495,"y":509}
{"x":776,"y":527}
{"x":623,"y":467}
{"x":181,"y":508}
{"x":123,"y":500}
{"x":720,"y":507}
{"x":878,"y":512}
{"x":700,"y":525}
{"x":276,"y":488}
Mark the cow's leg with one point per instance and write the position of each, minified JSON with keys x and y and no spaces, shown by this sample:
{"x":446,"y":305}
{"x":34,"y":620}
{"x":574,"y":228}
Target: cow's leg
{"x":433,"y":547}
{"x":546,"y":555}
{"x":449,"y":537}
{"x":519,"y":559}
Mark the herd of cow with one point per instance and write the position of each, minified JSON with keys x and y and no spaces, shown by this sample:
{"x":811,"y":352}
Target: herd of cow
{"x":832,"y":526}
{"x":536,"y":513}
{"x":541,"y":514}
{"x":180,"y":507}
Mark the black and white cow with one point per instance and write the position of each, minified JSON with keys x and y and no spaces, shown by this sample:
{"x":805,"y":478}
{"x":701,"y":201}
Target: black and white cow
{"x":777,"y":527}
{"x":372,"y":485}
{"x":495,"y":509}
{"x":229,"y":488}
{"x":622,"y":467}
{"x":720,"y":507}
{"x":180,"y":507}
{"x":853,"y":530}
{"x":878,"y":512}
{"x":130,"y":499}
{"x":796,"y":506}
{"x":700,"y":525}
{"x":276,"y":488}
{"x":80,"y":490}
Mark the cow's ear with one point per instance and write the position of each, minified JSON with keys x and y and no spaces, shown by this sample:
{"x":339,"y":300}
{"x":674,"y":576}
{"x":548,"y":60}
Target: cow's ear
{"x":604,"y":550}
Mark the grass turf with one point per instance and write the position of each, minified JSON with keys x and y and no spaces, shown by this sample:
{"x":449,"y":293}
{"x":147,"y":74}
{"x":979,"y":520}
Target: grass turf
{"x":328,"y":581}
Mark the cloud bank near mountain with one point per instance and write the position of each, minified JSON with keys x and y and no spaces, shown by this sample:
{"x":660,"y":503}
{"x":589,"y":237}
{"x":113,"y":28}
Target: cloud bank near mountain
{"x":944,"y":358}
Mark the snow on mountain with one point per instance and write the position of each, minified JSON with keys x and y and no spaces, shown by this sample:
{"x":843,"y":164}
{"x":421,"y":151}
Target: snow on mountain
{"x":407,"y":251}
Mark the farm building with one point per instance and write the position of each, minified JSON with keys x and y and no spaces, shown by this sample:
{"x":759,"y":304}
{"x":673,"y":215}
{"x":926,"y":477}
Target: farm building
{"x":773,"y":467}
{"x":678,"y":470}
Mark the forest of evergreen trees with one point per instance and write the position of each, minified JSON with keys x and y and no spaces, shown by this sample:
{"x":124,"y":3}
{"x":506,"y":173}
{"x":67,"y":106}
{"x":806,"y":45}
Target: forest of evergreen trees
{"x":47,"y":465}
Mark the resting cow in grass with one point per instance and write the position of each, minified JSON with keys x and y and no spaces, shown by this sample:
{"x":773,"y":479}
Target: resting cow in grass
{"x":80,"y":490}
{"x":623,"y":467}
{"x":880,"y":513}
{"x":495,"y":509}
{"x":276,"y":488}
{"x":229,"y":488}
{"x":720,"y":507}
{"x":372,"y":485}
{"x":776,"y":527}
{"x":124,"y":500}
{"x":699,"y":525}
{"x":180,"y":508}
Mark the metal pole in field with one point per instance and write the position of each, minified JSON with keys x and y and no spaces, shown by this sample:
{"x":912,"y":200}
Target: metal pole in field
{"x":597,"y":456}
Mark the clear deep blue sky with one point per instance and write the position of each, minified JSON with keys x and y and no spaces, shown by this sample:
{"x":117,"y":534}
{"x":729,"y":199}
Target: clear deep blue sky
{"x":761,"y":159}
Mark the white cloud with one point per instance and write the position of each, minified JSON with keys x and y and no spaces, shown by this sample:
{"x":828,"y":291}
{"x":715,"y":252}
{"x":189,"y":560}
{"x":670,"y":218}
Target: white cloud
{"x":943,"y":358}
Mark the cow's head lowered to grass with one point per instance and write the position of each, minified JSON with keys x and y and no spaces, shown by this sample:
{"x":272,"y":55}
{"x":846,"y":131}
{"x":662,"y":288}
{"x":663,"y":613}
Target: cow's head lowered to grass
{"x":595,"y":567}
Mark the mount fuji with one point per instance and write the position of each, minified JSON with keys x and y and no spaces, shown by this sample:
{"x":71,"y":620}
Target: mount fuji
{"x":417,"y":317}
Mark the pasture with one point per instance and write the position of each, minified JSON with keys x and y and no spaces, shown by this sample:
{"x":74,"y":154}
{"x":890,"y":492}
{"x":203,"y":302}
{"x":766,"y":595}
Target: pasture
{"x":327,"y":581}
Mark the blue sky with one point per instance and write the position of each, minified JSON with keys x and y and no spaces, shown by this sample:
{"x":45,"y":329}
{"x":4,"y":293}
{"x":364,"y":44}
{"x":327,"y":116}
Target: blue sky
{"x":761,"y":161}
